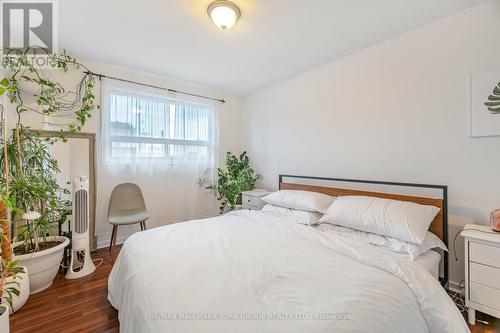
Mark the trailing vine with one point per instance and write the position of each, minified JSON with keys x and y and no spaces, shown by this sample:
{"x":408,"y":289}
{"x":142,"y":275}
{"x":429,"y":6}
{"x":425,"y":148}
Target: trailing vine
{"x":28,"y":182}
{"x":52,"y":99}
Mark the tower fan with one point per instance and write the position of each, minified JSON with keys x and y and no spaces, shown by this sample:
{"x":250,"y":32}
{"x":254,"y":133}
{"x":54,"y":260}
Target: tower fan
{"x":81,"y":263}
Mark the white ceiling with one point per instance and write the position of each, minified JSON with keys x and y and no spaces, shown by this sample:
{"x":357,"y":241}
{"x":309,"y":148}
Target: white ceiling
{"x":274,"y":39}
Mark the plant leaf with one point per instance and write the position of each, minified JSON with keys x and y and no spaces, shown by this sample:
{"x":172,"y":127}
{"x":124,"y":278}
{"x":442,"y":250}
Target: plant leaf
{"x":493,"y":103}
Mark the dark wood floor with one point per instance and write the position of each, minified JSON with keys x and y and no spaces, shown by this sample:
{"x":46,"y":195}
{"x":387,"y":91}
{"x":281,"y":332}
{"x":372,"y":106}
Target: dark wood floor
{"x":493,"y":327}
{"x":81,"y":306}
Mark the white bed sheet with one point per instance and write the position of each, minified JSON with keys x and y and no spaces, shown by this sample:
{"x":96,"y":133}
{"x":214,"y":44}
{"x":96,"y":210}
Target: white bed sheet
{"x":250,"y":265}
{"x":429,"y":261}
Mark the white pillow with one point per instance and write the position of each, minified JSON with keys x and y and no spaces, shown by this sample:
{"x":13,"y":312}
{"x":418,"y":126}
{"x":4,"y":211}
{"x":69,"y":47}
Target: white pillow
{"x":403,"y":220}
{"x":430,"y":242}
{"x":298,"y":216}
{"x":300,"y":200}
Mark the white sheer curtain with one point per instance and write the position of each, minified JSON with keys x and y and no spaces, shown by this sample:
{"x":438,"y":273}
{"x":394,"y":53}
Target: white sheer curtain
{"x":166,"y":145}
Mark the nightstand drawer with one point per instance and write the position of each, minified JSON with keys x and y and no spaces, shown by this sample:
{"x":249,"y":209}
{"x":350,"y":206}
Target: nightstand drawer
{"x":484,"y":254}
{"x":484,"y":295}
{"x":251,"y":207}
{"x":487,"y":275}
{"x":251,"y":201}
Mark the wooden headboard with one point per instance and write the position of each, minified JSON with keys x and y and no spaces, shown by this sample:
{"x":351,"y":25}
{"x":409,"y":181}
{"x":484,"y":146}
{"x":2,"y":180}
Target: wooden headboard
{"x":439,"y":225}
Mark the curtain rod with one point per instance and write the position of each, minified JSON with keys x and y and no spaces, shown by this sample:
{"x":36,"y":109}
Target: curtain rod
{"x":100,"y":76}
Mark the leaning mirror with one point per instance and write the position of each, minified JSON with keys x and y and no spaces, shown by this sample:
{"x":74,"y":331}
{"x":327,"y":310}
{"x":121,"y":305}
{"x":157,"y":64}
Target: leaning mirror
{"x":76,"y":161}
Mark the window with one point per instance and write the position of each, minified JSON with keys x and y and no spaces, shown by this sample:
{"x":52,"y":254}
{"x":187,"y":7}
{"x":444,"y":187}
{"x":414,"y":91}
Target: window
{"x":144,"y":125}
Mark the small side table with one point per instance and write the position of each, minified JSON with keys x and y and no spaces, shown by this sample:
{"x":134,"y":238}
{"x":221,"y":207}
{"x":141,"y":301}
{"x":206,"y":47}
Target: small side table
{"x":482,"y":270}
{"x":253,"y":199}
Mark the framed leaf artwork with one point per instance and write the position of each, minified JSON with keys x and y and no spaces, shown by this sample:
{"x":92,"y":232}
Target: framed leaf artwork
{"x":485,"y":103}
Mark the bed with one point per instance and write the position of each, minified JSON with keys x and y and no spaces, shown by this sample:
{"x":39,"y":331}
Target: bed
{"x":248,"y":271}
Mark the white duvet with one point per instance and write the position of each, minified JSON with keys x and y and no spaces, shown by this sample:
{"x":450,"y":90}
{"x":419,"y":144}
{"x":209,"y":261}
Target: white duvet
{"x":249,"y":271}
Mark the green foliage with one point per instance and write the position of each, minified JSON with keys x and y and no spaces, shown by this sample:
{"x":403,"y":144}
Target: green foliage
{"x":53,"y":99}
{"x":236,"y":178}
{"x":33,"y":185}
{"x":9,"y":269}
{"x":31,"y":172}
{"x":28,"y":182}
{"x":493,"y":103}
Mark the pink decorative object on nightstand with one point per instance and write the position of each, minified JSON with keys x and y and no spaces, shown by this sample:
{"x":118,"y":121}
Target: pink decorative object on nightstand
{"x":495,"y":220}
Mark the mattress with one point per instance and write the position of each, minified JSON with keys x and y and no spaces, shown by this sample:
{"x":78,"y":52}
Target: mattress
{"x":250,"y":272}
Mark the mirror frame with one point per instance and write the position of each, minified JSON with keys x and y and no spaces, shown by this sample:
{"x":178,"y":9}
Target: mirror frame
{"x":92,"y":182}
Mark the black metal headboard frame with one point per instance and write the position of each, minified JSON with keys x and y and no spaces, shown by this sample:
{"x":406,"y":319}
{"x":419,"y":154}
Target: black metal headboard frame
{"x":443,"y":188}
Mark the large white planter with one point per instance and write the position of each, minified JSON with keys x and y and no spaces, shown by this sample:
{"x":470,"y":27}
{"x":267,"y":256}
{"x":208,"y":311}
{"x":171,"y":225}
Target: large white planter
{"x":4,"y":318}
{"x":24,"y":290}
{"x":43,"y":265}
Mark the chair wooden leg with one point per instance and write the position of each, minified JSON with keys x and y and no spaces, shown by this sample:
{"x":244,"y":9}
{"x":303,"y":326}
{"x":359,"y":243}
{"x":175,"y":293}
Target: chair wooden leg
{"x":113,"y":237}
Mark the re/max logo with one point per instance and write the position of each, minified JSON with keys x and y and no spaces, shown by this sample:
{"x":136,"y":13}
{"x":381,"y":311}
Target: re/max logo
{"x":28,"y":26}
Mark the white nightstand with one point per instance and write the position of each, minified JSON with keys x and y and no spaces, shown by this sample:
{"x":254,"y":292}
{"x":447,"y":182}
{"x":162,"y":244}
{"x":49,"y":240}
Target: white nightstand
{"x":252,"y":199}
{"x":482,"y":270}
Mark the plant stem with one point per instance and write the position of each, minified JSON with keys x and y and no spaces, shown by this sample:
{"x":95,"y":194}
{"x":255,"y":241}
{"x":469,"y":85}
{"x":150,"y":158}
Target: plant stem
{"x":6,"y":249}
{"x":19,"y":152}
{"x":4,"y":213}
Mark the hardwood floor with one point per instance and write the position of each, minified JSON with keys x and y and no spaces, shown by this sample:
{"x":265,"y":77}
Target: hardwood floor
{"x":493,"y":327}
{"x":81,"y":306}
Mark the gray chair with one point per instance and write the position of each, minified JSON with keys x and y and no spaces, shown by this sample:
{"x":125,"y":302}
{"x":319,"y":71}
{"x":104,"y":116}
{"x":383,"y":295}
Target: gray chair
{"x":126,"y":206}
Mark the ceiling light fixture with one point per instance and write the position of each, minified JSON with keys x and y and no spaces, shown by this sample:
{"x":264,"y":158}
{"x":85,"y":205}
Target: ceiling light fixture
{"x":224,"y":14}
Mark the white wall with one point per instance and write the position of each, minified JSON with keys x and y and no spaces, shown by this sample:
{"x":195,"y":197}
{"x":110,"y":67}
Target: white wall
{"x":229,"y":118}
{"x":396,"y":111}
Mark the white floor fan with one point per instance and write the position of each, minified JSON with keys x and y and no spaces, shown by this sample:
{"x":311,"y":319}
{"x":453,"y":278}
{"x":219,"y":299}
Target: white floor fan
{"x":81,"y":263}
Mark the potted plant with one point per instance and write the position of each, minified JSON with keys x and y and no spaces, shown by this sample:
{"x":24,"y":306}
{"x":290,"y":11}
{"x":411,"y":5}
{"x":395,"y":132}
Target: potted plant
{"x":14,"y":284}
{"x":39,"y":207}
{"x":236,"y":178}
{"x":30,"y":181}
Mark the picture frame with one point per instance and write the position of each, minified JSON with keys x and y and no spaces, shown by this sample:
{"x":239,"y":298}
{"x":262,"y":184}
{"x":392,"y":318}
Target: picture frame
{"x":483,"y":122}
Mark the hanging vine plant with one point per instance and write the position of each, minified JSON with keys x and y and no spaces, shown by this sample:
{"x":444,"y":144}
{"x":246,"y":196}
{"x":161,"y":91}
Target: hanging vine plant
{"x":493,"y":103}
{"x":51,"y":98}
{"x":28,"y":172}
{"x":32,"y":188}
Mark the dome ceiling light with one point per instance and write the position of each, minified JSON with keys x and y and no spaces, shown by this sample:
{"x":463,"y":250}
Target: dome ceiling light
{"x":224,"y":14}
